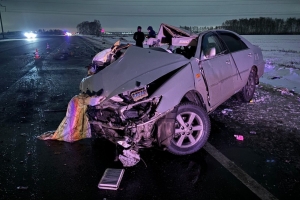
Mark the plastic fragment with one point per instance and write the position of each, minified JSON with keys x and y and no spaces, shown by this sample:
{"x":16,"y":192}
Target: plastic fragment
{"x":226,"y":111}
{"x":239,"y":137}
{"x":129,"y":158}
{"x":22,"y":187}
{"x":253,"y":132}
{"x":285,"y":91}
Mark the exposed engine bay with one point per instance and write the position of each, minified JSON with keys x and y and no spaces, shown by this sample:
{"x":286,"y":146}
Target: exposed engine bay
{"x":130,"y":115}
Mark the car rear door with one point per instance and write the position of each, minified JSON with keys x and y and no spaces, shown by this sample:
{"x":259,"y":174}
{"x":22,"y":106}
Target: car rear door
{"x":217,"y":68}
{"x":242,"y":56}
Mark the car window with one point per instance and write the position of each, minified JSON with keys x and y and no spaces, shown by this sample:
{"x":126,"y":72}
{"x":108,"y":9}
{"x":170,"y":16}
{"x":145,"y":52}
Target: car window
{"x":233,"y":42}
{"x":210,"y":46}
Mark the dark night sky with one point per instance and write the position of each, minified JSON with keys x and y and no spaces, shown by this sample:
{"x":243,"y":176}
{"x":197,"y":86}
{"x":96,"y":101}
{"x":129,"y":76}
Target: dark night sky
{"x":126,"y":15}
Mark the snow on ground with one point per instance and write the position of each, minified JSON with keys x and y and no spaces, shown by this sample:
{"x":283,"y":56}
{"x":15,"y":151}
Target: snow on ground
{"x":282,"y":56}
{"x":281,"y":53}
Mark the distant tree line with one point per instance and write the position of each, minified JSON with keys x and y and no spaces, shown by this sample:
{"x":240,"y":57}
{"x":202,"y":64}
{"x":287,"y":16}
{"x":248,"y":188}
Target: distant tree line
{"x":263,"y":25}
{"x":89,"y":28}
{"x":198,"y":29}
{"x":256,"y":26}
{"x":50,"y":32}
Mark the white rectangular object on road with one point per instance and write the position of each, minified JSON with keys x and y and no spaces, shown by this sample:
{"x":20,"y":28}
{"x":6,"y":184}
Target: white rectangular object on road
{"x":111,"y":179}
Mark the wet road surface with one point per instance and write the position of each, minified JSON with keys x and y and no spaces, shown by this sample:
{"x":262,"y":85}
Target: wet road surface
{"x":33,"y":98}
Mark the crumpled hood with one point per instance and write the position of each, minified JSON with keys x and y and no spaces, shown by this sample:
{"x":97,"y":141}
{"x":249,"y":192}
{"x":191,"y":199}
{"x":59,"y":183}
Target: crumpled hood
{"x":138,"y":66}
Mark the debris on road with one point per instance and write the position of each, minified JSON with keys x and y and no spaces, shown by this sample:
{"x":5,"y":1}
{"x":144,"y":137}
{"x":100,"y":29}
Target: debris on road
{"x":23,"y":134}
{"x":129,"y":158}
{"x":111,"y":179}
{"x":261,"y":99}
{"x":252,"y":132}
{"x":226,"y":111}
{"x":22,"y":187}
{"x":285,"y":91}
{"x":239,"y":137}
{"x":270,"y":161}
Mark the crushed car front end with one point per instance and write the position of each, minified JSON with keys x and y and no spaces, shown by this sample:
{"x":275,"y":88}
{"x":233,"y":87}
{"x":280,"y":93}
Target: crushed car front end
{"x":133,"y":92}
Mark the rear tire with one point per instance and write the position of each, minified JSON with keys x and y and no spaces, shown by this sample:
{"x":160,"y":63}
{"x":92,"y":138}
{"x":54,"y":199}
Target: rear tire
{"x":192,"y":129}
{"x":247,"y":92}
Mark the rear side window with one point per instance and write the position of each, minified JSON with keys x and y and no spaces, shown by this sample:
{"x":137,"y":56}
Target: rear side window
{"x":233,"y":42}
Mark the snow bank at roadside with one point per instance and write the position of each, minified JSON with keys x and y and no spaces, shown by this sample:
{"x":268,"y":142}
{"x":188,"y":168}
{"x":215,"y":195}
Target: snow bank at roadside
{"x":282,"y":56}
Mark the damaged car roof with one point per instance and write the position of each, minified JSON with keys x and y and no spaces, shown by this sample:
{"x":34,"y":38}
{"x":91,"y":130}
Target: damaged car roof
{"x":168,"y":34}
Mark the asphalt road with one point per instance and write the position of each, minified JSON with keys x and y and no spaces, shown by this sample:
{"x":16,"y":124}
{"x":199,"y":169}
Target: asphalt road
{"x":33,"y":98}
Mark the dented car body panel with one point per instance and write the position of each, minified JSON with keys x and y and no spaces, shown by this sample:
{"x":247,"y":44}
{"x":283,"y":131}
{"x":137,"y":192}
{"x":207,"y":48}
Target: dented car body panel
{"x":175,"y":89}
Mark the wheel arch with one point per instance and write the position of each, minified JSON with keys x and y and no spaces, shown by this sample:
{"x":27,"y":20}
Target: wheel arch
{"x":195,"y":97}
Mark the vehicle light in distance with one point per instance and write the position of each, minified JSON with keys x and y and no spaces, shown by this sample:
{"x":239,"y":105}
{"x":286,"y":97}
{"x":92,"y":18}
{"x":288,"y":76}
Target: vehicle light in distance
{"x":68,"y":34}
{"x":30,"y":35}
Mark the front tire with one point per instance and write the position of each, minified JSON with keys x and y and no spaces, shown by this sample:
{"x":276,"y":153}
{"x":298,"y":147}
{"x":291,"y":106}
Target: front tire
{"x":192,"y":129}
{"x":247,"y":92}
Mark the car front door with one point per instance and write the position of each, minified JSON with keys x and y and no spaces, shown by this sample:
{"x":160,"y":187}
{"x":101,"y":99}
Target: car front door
{"x":217,"y":68}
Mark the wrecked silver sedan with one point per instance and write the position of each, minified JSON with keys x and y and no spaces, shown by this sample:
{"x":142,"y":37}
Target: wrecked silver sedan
{"x":163,"y":95}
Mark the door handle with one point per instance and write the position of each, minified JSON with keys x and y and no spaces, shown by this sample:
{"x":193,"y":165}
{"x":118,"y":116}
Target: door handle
{"x":228,"y":62}
{"x":250,"y":54}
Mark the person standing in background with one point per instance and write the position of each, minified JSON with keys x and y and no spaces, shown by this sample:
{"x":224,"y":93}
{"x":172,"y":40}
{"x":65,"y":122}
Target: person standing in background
{"x":152,"y":33}
{"x":139,"y":37}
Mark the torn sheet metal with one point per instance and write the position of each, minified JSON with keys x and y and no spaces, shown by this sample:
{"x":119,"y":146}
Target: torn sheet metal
{"x":75,"y":125}
{"x":176,"y":36}
{"x":129,"y":158}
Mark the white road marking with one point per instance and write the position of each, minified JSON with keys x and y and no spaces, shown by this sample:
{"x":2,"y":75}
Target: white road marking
{"x":247,"y":180}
